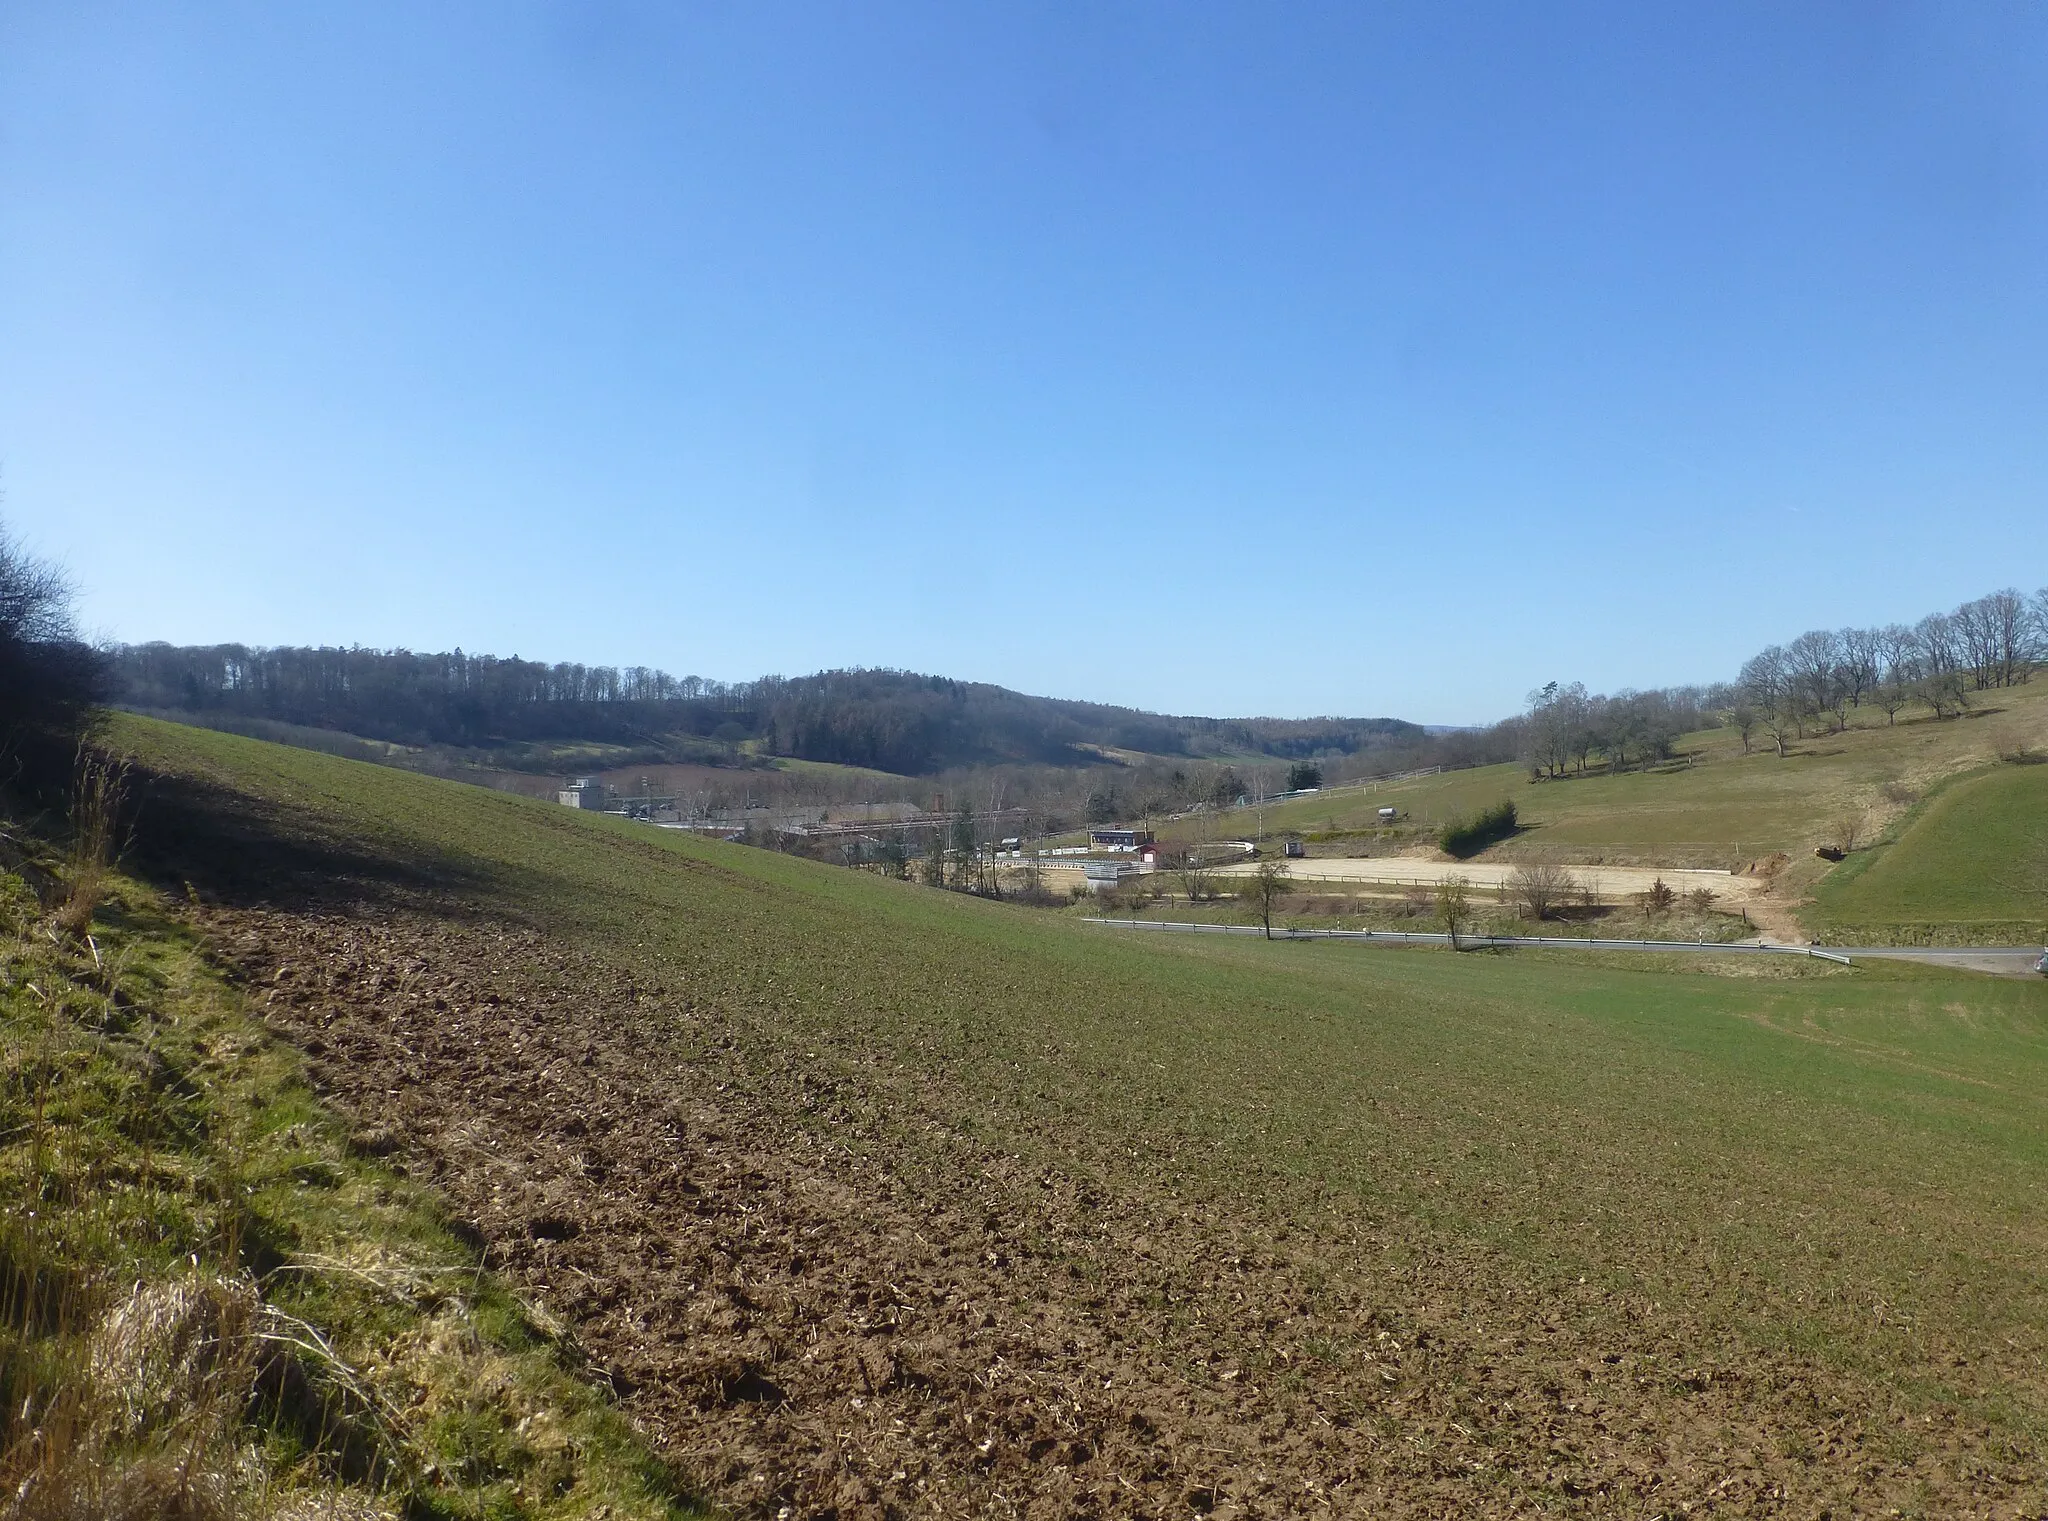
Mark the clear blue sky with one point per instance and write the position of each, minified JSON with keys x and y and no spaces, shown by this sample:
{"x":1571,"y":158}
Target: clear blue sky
{"x":1205,"y":357}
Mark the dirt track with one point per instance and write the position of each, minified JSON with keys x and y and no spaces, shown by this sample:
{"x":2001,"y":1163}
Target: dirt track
{"x":1609,"y":882}
{"x":820,"y":1328}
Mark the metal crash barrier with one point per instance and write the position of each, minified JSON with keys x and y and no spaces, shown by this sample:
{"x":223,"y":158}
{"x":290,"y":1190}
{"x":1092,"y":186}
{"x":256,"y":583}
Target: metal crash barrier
{"x":1477,"y":942}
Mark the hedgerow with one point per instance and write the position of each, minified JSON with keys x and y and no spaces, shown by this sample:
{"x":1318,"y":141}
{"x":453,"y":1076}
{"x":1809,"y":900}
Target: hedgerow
{"x":1467,"y":837}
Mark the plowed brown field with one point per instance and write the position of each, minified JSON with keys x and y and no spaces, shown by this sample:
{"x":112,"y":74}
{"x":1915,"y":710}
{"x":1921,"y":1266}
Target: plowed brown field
{"x":875,"y":1201}
{"x":818,"y":1333}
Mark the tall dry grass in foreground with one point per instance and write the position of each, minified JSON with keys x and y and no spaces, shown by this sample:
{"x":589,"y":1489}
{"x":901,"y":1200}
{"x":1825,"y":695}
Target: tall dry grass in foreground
{"x":99,"y":793}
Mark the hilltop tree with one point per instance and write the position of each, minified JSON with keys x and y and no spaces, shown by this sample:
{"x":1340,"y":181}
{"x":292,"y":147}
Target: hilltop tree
{"x":1862,"y":662}
{"x":1814,"y":663}
{"x":1767,"y":682}
{"x":1741,"y":717}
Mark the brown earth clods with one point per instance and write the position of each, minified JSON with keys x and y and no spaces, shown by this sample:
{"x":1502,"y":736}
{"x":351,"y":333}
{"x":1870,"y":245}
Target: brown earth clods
{"x":814,"y":1328}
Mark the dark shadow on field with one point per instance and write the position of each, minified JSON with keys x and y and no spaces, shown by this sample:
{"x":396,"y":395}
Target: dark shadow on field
{"x":191,"y":835}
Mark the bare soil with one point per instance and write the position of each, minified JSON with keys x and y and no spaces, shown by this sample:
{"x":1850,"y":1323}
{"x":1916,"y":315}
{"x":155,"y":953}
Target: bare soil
{"x":1610,"y":882}
{"x":818,"y":1328}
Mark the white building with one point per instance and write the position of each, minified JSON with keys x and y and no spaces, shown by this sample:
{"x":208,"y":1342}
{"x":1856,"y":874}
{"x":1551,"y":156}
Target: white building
{"x":583,"y":792}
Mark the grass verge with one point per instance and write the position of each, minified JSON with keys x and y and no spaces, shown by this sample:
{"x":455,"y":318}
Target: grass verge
{"x":214,"y":1301}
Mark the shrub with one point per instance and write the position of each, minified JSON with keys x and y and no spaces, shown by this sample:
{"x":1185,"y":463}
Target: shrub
{"x":1539,"y":886}
{"x":1467,"y":837}
{"x":50,"y":679}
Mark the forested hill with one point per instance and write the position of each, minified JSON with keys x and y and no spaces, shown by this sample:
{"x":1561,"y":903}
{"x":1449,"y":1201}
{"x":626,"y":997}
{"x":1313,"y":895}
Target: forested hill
{"x":889,"y":720}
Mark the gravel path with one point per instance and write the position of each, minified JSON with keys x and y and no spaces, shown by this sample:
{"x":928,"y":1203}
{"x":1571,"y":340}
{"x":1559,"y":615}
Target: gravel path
{"x":1401,"y":871}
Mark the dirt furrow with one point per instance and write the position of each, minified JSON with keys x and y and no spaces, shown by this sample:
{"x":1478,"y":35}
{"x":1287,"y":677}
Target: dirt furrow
{"x":818,"y":1326}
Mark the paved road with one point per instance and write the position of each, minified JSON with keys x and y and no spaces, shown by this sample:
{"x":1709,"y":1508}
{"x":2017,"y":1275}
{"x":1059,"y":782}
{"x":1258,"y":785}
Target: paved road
{"x":1999,"y":960}
{"x":2003,"y":961}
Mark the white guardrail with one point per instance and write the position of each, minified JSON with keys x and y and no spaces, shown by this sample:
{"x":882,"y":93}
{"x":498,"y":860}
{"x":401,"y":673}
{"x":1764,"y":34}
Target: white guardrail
{"x":1409,"y":937}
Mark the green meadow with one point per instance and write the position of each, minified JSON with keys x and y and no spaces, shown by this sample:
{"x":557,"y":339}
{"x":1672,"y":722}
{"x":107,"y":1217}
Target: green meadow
{"x":1971,"y":861}
{"x":1712,"y":805}
{"x":1844,"y":1174}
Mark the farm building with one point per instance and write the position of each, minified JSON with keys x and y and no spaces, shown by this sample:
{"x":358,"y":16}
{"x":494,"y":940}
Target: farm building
{"x":583,"y":792}
{"x":1103,"y":876}
{"x":1119,"y":839}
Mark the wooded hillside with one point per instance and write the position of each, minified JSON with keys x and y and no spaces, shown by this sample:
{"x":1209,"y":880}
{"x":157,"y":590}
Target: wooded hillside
{"x":896,"y":721}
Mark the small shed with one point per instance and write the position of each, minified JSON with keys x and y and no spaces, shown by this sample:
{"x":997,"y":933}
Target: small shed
{"x":1103,"y":876}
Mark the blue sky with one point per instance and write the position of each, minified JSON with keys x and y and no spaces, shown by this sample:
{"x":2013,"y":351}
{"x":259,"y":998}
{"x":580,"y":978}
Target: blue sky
{"x":1209,"y":358}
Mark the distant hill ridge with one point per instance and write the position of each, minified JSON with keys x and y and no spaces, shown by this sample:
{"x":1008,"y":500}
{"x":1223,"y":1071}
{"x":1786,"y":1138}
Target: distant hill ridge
{"x":887,"y":720}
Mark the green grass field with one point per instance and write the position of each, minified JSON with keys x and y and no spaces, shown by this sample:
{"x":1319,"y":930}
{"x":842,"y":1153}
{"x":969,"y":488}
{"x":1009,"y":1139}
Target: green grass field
{"x":1724,"y":807}
{"x":1828,"y":1193}
{"x":1972,"y":861}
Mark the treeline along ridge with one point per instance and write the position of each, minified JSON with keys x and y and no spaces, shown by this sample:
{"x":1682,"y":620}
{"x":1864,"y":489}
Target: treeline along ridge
{"x":885,"y":720}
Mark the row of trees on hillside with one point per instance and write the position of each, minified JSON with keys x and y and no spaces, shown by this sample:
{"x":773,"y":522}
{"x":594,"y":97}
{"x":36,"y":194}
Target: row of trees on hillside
{"x":1816,"y":681}
{"x":1824,"y":675}
{"x":407,"y":698}
{"x":898,"y":721}
{"x":1567,"y":726}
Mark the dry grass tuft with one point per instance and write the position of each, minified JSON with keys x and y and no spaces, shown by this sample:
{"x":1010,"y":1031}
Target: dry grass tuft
{"x":138,"y":1418}
{"x":172,"y":1352}
{"x":99,"y":791}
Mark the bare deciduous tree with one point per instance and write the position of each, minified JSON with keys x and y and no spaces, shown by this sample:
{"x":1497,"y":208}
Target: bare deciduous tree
{"x":1814,"y":662}
{"x":1768,"y":682}
{"x":1946,"y":692}
{"x":1540,"y":886}
{"x":1742,"y":718}
{"x":1265,"y":887}
{"x":1780,"y":723}
{"x":1453,"y":906}
{"x":1862,"y":662}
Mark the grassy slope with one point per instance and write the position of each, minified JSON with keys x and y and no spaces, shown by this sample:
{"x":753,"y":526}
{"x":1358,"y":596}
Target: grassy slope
{"x":1852,"y":1168}
{"x":1725,"y":807}
{"x":175,"y":1150}
{"x":1974,"y":858}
